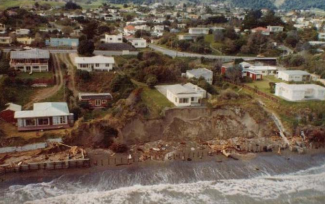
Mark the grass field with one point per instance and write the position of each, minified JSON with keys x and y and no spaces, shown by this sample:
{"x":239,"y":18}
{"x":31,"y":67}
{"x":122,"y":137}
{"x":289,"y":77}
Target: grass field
{"x":264,"y":85}
{"x":58,"y":97}
{"x":36,"y":75}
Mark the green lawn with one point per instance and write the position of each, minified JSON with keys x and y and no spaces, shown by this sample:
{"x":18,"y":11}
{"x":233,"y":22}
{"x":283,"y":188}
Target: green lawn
{"x":153,"y":99}
{"x":24,"y":94}
{"x":58,"y":97}
{"x":263,"y":85}
{"x":36,"y":75}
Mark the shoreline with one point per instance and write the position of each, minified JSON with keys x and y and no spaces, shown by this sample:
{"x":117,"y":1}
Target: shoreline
{"x":21,"y":178}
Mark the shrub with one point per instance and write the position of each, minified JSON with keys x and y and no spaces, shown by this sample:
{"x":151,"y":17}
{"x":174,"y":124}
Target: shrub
{"x":119,"y":148}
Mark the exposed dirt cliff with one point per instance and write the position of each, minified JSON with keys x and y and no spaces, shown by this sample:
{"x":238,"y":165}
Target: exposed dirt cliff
{"x":200,"y":124}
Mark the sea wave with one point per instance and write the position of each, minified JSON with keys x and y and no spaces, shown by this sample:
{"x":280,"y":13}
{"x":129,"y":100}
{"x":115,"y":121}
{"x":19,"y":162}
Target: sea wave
{"x":306,"y":186}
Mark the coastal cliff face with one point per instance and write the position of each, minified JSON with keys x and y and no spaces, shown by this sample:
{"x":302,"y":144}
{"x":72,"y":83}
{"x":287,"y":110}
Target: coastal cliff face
{"x":200,"y":124}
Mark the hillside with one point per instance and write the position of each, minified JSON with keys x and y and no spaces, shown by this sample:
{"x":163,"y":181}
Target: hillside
{"x":282,"y":4}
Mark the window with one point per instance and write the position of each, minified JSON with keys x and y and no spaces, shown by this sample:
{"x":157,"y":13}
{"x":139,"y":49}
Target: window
{"x":119,"y":39}
{"x":103,"y":101}
{"x":43,"y":121}
{"x":97,"y":65}
{"x":111,"y":38}
{"x":98,"y":103}
{"x":30,"y":122}
{"x":62,"y":120}
{"x":192,"y":98}
{"x":183,"y":100}
{"x":107,"y":65}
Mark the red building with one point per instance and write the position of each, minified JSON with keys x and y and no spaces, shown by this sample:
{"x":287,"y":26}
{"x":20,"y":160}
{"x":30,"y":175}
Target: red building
{"x":96,"y":100}
{"x":8,"y":114}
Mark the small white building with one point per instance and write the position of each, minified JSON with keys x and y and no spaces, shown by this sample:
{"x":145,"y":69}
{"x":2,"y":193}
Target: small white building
{"x":294,"y":75}
{"x":44,"y":116}
{"x":201,"y":72}
{"x":138,"y":42}
{"x":185,"y":95}
{"x":22,"y":31}
{"x":300,"y":92}
{"x":199,"y":31}
{"x":264,"y":70}
{"x":321,"y":36}
{"x":96,"y":63}
{"x":114,"y":38}
{"x":159,"y":28}
{"x":275,"y":29}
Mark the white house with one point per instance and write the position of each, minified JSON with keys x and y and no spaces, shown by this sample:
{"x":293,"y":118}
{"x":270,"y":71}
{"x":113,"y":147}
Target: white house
{"x":275,"y":29}
{"x":185,"y":95}
{"x":300,"y":92}
{"x":159,"y":28}
{"x":114,"y":38}
{"x":201,"y":72}
{"x":138,"y":42}
{"x":294,"y":75}
{"x":264,"y":70}
{"x":321,"y":36}
{"x":22,"y":31}
{"x":96,"y":63}
{"x":199,"y":31}
{"x":44,"y":116}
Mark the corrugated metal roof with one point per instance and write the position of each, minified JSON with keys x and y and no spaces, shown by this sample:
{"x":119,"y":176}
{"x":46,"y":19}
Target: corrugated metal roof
{"x":45,"y":110}
{"x":30,"y":54}
{"x":96,"y":59}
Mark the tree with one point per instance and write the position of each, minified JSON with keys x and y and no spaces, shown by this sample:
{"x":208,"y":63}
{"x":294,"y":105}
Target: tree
{"x":86,"y":48}
{"x":4,"y":66}
{"x":218,"y":36}
{"x":71,"y":6}
{"x":234,"y":73}
{"x":103,"y":29}
{"x":67,"y":30}
{"x":151,"y":81}
{"x":90,"y":30}
{"x":141,"y":33}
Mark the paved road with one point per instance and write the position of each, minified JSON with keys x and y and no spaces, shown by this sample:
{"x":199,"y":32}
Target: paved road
{"x":174,"y":53}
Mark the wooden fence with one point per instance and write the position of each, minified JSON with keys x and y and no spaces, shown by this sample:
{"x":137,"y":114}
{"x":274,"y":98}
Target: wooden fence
{"x":258,"y":92}
{"x":80,"y":163}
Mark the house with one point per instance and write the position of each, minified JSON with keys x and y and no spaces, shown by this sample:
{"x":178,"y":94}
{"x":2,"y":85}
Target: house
{"x":129,"y":30}
{"x":262,"y":30}
{"x":185,"y":95}
{"x":114,"y":38}
{"x":25,"y":40}
{"x":201,"y":72}
{"x":5,"y":40}
{"x":275,"y":29}
{"x":96,"y":63}
{"x":321,"y":36}
{"x":138,"y":42}
{"x":22,"y":31}
{"x":198,"y":31}
{"x":34,"y":60}
{"x":254,"y":75}
{"x":264,"y":70}
{"x":300,"y":92}
{"x":62,"y":42}
{"x":294,"y":75}
{"x":2,"y":28}
{"x":44,"y":116}
{"x":95,"y":100}
{"x":188,"y":37}
{"x":9,"y":113}
{"x":181,"y":25}
{"x":159,"y":28}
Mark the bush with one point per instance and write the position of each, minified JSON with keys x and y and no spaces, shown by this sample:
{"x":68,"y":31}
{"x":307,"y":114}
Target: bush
{"x":151,"y":81}
{"x":119,"y":148}
{"x":83,"y":75}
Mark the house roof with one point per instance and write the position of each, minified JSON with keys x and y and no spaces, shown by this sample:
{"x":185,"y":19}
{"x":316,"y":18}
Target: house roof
{"x":188,"y":88}
{"x":129,"y":27}
{"x":300,"y":87}
{"x":86,"y":96}
{"x":96,"y":59}
{"x":260,"y":29}
{"x":44,"y":110}
{"x":13,"y":107}
{"x":294,"y":72}
{"x":30,"y":54}
{"x":262,"y":68}
{"x":200,"y":72}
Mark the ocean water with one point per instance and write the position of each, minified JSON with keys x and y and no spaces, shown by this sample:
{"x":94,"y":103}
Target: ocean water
{"x":266,"y":179}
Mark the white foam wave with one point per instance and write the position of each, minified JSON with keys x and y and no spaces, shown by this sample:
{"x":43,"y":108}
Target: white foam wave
{"x":259,"y":188}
